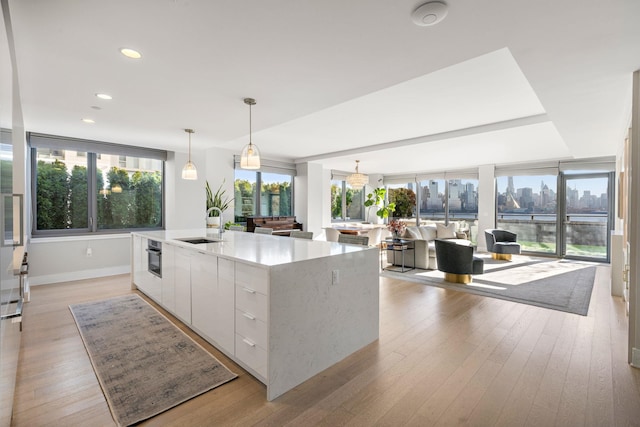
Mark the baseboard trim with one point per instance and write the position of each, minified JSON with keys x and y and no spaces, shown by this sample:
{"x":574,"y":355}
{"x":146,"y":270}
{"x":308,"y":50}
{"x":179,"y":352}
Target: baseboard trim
{"x":78,"y":275}
{"x":635,"y":357}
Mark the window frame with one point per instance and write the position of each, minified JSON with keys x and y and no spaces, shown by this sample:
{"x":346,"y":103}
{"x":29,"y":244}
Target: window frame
{"x":257,"y":201}
{"x":93,"y":150}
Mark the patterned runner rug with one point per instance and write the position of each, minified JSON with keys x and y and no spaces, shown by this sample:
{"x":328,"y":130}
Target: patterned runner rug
{"x":144,"y":363}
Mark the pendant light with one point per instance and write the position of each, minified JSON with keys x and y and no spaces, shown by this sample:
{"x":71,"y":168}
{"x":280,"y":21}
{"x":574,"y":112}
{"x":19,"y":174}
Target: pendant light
{"x":250,"y":157}
{"x":189,"y":170}
{"x":357,"y":180}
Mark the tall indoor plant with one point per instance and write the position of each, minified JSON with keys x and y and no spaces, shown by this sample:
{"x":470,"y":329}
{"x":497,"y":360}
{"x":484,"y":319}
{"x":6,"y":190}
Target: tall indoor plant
{"x":216,"y":200}
{"x":376,"y":198}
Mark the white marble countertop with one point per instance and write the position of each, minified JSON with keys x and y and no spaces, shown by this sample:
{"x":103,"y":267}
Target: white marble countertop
{"x":265,"y":250}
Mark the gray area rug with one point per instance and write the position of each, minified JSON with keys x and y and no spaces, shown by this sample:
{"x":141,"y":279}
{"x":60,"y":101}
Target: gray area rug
{"x":555,"y":284}
{"x":144,"y":363}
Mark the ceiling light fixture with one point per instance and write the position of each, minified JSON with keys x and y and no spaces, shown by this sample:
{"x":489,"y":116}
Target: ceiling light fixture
{"x":130,"y":53}
{"x":429,"y":13}
{"x":250,"y":157}
{"x":189,"y":170}
{"x":357,"y":180}
{"x":104,"y":96}
{"x":91,"y":121}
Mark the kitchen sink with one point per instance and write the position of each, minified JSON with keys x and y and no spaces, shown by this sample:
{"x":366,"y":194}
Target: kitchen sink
{"x":198,"y":240}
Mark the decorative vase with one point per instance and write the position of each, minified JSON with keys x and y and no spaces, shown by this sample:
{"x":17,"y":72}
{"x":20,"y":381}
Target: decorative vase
{"x":396,"y":236}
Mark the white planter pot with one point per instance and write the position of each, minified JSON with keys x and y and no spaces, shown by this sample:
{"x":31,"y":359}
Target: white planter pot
{"x":213,"y":221}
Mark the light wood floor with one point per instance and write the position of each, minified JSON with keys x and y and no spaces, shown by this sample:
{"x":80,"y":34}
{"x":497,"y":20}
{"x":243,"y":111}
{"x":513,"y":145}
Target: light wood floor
{"x":443,"y":358}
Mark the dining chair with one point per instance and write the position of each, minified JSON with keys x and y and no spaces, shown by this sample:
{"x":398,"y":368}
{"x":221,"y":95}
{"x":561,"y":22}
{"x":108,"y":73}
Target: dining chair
{"x":263,"y":230}
{"x":236,"y":228}
{"x":354,"y":240}
{"x":331,"y":234}
{"x":299,"y":234}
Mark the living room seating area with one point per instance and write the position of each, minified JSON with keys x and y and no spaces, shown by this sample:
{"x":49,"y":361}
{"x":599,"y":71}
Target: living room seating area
{"x":424,"y":239}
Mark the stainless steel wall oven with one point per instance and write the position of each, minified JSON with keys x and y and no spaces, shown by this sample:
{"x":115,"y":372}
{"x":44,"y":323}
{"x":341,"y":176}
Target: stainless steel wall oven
{"x":154,"y":253}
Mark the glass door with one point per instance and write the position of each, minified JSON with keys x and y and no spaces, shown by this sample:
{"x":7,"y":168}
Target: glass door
{"x":587,"y":216}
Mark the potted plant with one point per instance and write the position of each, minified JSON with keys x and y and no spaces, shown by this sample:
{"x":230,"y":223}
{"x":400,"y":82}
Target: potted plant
{"x":376,"y":198}
{"x":216,"y":200}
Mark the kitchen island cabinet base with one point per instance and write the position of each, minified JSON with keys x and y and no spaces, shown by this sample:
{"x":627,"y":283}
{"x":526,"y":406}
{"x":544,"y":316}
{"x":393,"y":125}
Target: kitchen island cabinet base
{"x":288,"y":321}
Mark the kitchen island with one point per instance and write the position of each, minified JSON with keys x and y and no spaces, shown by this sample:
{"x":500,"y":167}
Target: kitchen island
{"x":284,"y":309}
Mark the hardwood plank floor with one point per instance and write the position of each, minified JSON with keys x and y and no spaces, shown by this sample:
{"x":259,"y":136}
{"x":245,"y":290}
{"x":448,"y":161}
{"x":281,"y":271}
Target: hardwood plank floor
{"x":443,"y":358}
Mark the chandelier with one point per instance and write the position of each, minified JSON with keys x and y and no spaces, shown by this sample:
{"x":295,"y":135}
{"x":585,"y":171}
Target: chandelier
{"x":357,"y":180}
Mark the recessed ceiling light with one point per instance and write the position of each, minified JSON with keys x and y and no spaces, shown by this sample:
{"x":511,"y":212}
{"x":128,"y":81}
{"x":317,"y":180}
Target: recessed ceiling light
{"x":130,"y":53}
{"x":88,"y":120}
{"x":103,"y":96}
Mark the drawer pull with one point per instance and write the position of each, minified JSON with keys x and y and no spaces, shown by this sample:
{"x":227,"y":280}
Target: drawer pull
{"x":248,"y":316}
{"x":249,"y":343}
{"x":251,"y":291}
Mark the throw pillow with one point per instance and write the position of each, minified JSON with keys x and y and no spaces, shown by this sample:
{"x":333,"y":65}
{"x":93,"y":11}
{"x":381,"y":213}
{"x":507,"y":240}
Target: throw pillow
{"x":446,"y":231}
{"x":412,"y":233}
{"x":428,"y":233}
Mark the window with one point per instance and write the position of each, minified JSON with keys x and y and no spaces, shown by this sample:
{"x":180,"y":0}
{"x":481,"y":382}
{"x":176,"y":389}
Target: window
{"x":432,"y":199}
{"x":96,"y":188}
{"x":244,"y":195}
{"x":275,"y":197}
{"x":404,"y":196}
{"x":527,"y":205}
{"x":349,"y":207}
{"x":275,"y":194}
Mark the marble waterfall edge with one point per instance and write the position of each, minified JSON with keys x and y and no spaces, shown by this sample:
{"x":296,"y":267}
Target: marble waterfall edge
{"x":314,"y":323}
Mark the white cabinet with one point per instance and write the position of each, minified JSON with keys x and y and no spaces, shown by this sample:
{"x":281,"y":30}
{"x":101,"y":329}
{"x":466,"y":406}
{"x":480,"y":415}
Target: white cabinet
{"x":148,"y":283}
{"x":168,"y":277}
{"x":204,"y":292}
{"x":226,"y":304}
{"x":212,"y":295}
{"x":182,"y":280}
{"x":252,"y":302}
{"x":137,"y":254}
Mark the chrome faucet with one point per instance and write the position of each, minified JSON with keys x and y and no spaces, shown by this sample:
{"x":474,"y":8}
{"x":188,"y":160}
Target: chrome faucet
{"x":221,"y":230}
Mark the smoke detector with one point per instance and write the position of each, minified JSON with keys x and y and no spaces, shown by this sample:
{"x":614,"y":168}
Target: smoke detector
{"x":429,"y":13}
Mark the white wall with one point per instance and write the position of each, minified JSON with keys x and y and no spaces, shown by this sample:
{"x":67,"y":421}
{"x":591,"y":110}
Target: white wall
{"x":309,"y":200}
{"x":54,"y":260}
{"x":486,"y":203}
{"x":634,"y":227}
{"x":185,"y":200}
{"x":301,"y":196}
{"x":219,"y":169}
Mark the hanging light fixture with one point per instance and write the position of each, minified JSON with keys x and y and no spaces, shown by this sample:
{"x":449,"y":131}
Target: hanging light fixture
{"x":189,"y":170}
{"x":357,"y":180}
{"x":250,"y":157}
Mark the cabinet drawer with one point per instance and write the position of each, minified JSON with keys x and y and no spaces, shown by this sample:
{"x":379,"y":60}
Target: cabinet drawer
{"x":251,"y":328}
{"x":251,"y":302}
{"x":252,"y":277}
{"x":252,"y":355}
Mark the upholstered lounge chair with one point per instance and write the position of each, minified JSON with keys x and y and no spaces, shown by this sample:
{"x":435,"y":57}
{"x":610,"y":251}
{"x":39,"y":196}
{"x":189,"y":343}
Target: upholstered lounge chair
{"x":502,"y":243}
{"x":456,"y":260}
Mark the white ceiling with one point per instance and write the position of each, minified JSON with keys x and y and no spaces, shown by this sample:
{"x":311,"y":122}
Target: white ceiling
{"x":495,"y":82}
